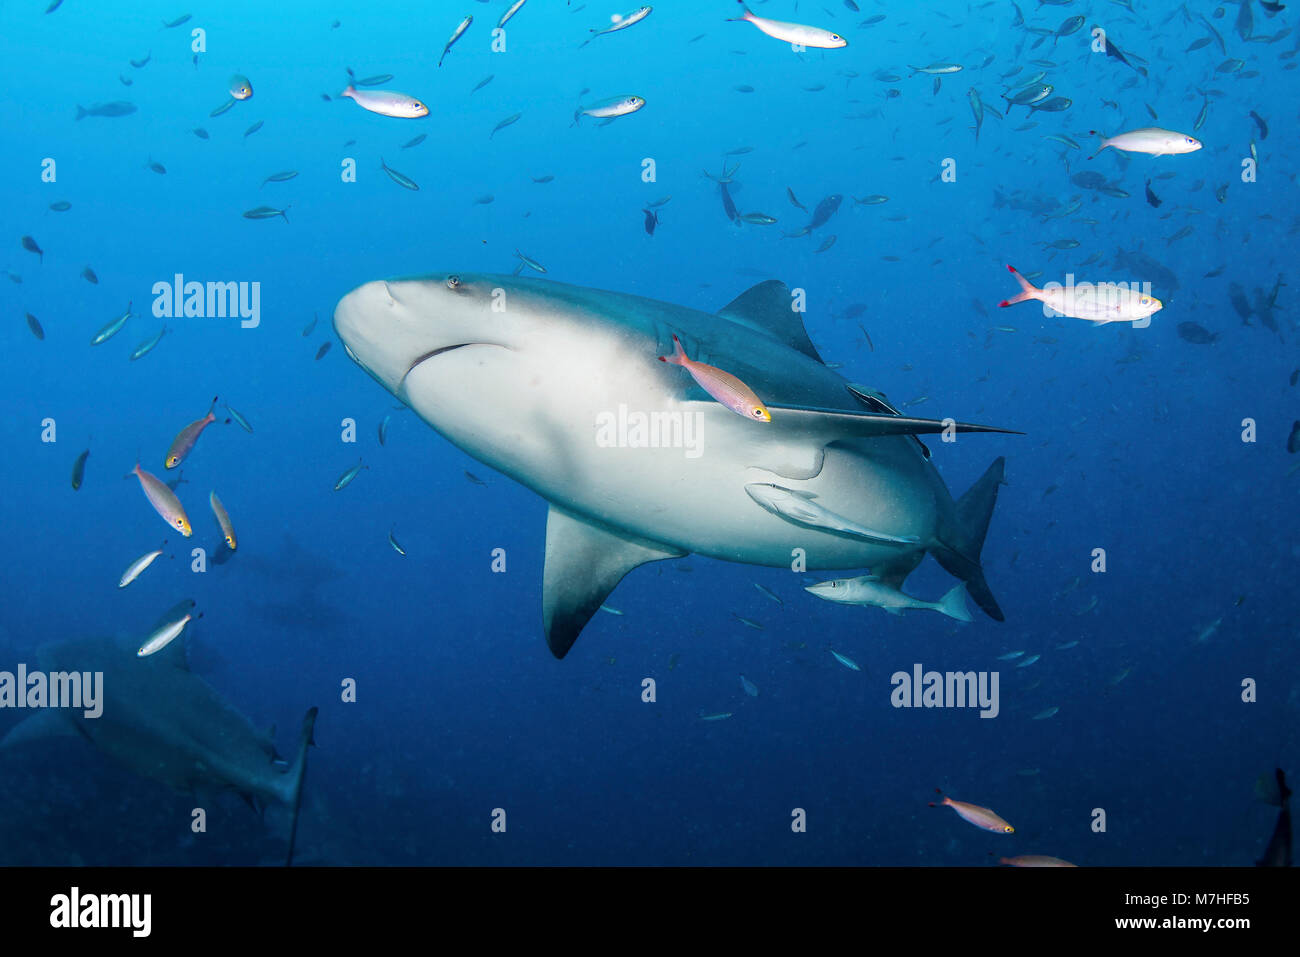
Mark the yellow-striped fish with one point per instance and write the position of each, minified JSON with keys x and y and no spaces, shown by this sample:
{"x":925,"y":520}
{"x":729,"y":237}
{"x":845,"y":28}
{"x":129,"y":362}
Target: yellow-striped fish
{"x":223,"y":518}
{"x":723,"y":386}
{"x":163,"y":500}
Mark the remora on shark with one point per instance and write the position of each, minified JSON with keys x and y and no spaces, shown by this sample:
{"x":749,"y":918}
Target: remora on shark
{"x":518,"y":372}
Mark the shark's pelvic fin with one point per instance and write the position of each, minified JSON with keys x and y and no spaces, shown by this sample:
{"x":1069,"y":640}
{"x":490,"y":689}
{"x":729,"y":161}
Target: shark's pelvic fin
{"x":766,"y":308}
{"x":959,"y":548}
{"x":584,"y":561}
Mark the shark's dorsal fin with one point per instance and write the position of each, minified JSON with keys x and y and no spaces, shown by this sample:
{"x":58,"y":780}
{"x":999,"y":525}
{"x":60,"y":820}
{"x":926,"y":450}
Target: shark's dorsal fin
{"x":584,"y":561}
{"x":767,"y":308}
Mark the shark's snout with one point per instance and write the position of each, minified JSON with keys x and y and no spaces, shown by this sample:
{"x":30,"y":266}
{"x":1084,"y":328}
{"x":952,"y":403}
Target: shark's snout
{"x":380,"y":333}
{"x":390,"y":327}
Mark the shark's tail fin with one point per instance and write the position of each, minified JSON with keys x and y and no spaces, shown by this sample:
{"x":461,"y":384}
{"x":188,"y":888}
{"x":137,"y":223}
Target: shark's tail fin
{"x":297,"y":771}
{"x":960,"y":546}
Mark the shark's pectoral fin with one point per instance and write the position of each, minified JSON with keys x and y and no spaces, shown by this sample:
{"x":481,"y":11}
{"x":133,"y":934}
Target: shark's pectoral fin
{"x":834,"y":423}
{"x":50,"y":723}
{"x":584,"y":561}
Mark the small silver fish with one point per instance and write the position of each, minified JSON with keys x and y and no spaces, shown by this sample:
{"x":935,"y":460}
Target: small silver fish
{"x":113,"y":327}
{"x":266,"y":212}
{"x":243,"y":422}
{"x":508,"y":121}
{"x":532,"y":264}
{"x":281,"y":177}
{"x":134,"y":570}
{"x":346,"y":478}
{"x":505,"y":17}
{"x":619,"y":23}
{"x":164,"y":636}
{"x":845,"y":660}
{"x":400,"y":179}
{"x":144,"y":348}
{"x":610,"y":108}
{"x":387,"y":103}
{"x":464,"y":25}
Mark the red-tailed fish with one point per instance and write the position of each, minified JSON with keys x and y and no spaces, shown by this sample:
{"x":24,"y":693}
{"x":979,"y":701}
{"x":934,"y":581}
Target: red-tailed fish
{"x":723,"y":386}
{"x":1096,"y":302}
{"x":185,"y":439}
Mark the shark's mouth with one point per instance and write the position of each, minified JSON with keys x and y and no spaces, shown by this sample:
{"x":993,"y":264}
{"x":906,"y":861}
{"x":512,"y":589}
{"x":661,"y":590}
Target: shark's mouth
{"x":434,"y":353}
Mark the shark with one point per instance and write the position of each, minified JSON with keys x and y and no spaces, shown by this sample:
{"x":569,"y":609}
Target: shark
{"x":163,"y":721}
{"x":560,"y":388}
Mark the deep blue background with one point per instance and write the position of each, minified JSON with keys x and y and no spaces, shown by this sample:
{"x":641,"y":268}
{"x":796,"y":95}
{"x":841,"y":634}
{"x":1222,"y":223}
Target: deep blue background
{"x":1133,"y":437}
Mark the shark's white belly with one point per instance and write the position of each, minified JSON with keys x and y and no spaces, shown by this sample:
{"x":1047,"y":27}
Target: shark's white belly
{"x":630,"y":453}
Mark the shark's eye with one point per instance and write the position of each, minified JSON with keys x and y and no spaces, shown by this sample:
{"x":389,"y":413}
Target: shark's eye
{"x":453,"y":282}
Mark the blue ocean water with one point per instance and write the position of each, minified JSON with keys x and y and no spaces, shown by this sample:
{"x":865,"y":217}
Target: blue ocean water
{"x":1133,"y":437}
